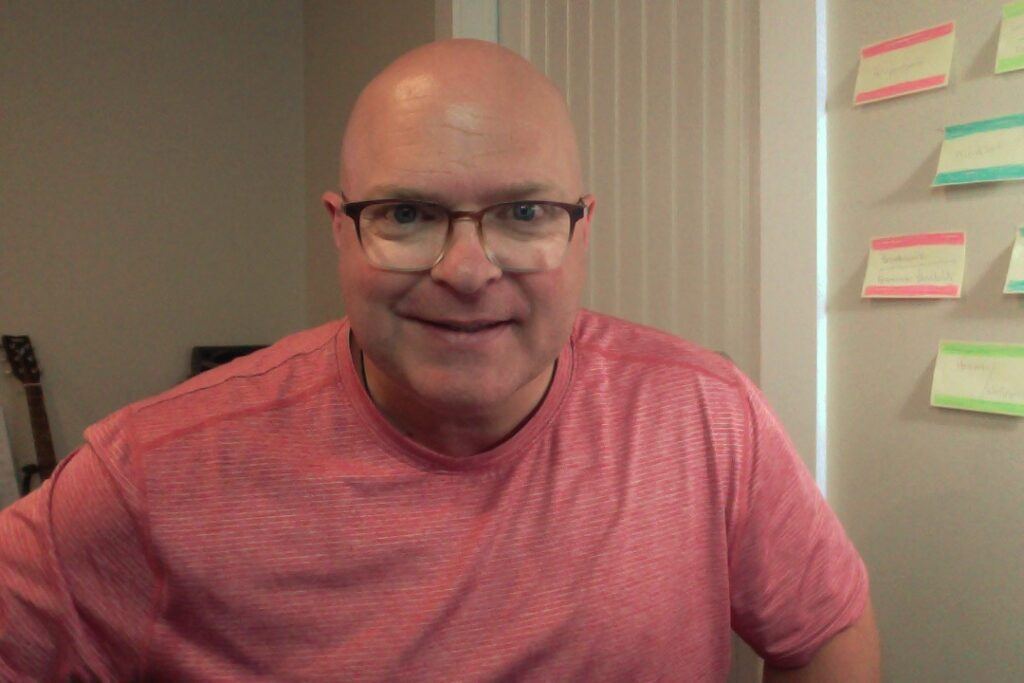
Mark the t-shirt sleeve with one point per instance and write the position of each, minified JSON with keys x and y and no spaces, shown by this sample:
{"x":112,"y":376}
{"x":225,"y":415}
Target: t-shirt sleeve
{"x":795,"y":578}
{"x":76,"y":587}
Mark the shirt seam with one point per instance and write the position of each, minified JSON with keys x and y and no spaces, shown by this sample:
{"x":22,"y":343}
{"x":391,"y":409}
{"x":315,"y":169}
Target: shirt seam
{"x":146,"y":446}
{"x":160,"y":401}
{"x":143,"y":529}
{"x":647,"y":359}
{"x":743,"y":478}
{"x":75,"y":626}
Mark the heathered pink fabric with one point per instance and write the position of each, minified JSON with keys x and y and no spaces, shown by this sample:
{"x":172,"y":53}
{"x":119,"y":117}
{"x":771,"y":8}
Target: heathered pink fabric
{"x":264,"y":522}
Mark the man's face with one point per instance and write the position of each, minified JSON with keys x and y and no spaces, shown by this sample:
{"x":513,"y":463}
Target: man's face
{"x":465,"y":156}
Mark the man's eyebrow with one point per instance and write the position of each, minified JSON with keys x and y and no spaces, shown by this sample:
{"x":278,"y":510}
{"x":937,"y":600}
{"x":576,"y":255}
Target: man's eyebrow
{"x":504,"y":194}
{"x":521,"y":191}
{"x":401,"y":192}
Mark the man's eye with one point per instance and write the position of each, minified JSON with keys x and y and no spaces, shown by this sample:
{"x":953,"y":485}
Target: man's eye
{"x":404,"y":213}
{"x":524,"y":212}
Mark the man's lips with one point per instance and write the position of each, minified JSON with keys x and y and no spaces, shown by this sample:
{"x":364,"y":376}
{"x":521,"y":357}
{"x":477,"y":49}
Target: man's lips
{"x":467,"y":325}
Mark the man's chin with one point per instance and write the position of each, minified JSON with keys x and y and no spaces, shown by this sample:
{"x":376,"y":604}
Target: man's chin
{"x":464,"y":396}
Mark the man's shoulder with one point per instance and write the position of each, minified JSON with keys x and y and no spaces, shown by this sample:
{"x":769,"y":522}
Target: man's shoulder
{"x":286,"y":362}
{"x":282,"y":373}
{"x":620,"y":341}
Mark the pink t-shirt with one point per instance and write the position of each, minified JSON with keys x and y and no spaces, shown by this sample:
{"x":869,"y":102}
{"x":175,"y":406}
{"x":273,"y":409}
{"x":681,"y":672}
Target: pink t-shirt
{"x":264,"y":522}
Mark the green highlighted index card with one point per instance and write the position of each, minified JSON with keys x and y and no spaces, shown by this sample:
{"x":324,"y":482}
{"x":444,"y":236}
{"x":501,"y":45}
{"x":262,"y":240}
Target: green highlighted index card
{"x":979,"y":376}
{"x":1010,"y":54}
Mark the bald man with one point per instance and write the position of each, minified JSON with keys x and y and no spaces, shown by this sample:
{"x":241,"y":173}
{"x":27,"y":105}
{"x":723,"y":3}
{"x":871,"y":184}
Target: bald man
{"x":468,"y":478}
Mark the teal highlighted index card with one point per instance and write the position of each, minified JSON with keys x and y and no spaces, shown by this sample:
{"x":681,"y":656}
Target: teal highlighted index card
{"x":982,"y":151}
{"x":1010,"y":53}
{"x":979,"y":376}
{"x":1015,"y":276}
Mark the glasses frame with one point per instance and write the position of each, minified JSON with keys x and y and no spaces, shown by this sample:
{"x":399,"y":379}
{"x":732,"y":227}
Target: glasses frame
{"x":354,"y":209}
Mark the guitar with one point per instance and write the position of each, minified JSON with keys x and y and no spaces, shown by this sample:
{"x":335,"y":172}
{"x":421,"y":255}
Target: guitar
{"x":22,"y":360}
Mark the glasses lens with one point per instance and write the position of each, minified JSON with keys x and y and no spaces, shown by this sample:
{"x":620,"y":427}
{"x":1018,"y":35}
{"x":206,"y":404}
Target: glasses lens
{"x":527,"y":236}
{"x":403,"y":235}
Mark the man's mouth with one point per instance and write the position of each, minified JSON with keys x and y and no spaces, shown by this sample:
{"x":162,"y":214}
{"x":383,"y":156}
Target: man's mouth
{"x":465,"y":326}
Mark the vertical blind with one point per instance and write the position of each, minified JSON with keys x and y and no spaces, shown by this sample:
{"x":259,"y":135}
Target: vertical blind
{"x":663,"y":94}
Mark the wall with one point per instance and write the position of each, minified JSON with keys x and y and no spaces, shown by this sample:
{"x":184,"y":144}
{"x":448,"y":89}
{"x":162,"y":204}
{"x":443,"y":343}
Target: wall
{"x":346,"y":44}
{"x":932,"y":497}
{"x":793,"y":221}
{"x":152,"y":193}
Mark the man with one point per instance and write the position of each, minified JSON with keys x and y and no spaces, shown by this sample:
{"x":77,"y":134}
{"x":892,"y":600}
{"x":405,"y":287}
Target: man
{"x":466,"y":479}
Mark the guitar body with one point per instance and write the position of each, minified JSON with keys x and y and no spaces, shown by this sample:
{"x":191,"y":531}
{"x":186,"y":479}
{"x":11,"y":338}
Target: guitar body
{"x":22,"y":359}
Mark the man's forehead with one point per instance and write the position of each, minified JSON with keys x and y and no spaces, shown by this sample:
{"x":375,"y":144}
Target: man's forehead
{"x":459,"y":159}
{"x":479,"y":125}
{"x":422,"y":133}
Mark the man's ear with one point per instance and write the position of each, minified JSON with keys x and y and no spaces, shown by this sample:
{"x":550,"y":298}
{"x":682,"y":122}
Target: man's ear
{"x":332,"y":202}
{"x":583,"y":226}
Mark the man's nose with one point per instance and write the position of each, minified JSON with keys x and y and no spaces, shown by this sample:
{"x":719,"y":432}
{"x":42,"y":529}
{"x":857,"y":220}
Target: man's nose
{"x":465,"y":266}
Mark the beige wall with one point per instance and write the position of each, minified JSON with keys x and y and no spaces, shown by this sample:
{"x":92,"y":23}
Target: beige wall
{"x":346,"y":44}
{"x":933,"y":498}
{"x":151,"y":196}
{"x":163,"y":163}
{"x":793,"y":222}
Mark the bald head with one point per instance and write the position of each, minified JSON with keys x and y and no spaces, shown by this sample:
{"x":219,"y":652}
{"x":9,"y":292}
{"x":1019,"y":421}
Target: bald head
{"x":453,"y":108}
{"x":468,"y":125}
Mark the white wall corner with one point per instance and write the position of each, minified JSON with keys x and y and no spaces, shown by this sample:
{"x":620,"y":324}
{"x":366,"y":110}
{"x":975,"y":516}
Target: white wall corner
{"x":442,"y":19}
{"x":466,"y":19}
{"x":792,"y":362}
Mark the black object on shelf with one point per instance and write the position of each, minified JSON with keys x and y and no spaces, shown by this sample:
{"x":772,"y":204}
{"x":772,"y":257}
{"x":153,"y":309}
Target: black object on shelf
{"x":27,"y":472}
{"x":208,"y":357}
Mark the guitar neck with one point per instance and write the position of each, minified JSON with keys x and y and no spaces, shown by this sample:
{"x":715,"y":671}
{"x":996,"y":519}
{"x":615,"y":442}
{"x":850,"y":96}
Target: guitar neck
{"x":45,"y":457}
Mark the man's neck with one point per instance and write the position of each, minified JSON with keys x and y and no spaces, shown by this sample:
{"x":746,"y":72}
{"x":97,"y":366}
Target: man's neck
{"x":454,"y":435}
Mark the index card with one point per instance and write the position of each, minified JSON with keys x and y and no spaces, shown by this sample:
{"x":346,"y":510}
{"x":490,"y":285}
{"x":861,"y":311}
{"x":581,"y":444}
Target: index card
{"x":1015,"y":276}
{"x":983,"y":151}
{"x":927,"y":266}
{"x":1010,"y":54}
{"x":979,"y":376}
{"x":908,"y":64}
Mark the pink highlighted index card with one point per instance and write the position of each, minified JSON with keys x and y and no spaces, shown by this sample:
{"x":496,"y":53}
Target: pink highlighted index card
{"x":900,"y":66}
{"x":927,"y":266}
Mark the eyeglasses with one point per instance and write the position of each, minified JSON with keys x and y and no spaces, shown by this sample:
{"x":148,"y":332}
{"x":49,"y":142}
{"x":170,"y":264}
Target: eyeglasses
{"x":519,"y":237}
